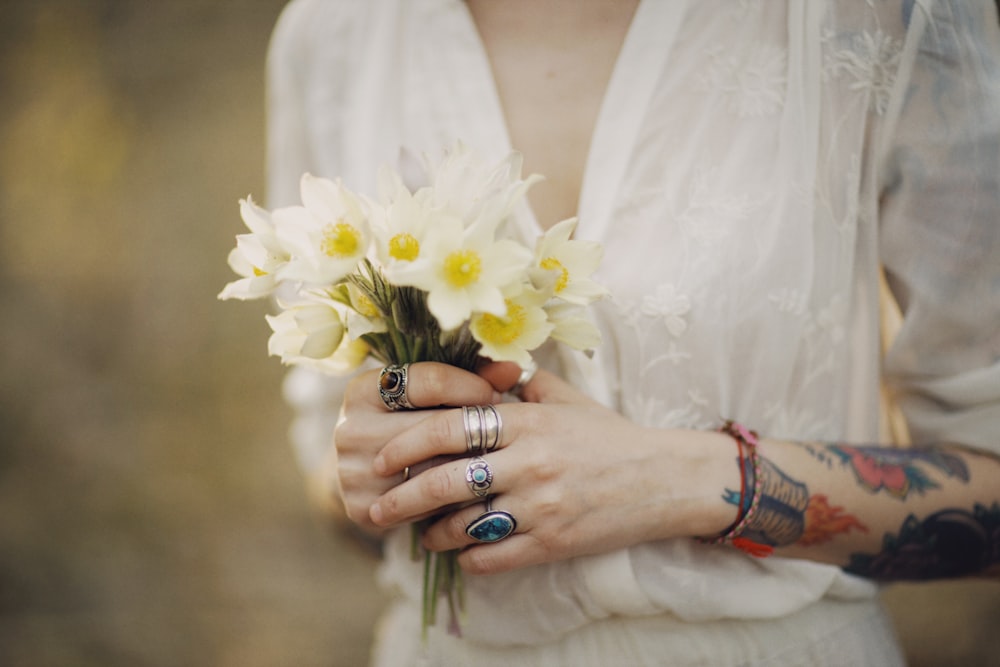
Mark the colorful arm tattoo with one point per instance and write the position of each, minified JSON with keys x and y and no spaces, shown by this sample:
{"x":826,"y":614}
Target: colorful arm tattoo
{"x":787,"y":514}
{"x":948,"y":543}
{"x":895,"y":471}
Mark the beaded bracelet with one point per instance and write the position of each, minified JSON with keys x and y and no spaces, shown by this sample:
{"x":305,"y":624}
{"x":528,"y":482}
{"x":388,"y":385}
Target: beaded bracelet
{"x":745,"y":440}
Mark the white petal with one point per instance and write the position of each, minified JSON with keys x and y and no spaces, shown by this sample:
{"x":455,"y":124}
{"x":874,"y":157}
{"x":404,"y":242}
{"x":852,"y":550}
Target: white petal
{"x":257,"y":220}
{"x":450,"y":307}
{"x":323,"y":342}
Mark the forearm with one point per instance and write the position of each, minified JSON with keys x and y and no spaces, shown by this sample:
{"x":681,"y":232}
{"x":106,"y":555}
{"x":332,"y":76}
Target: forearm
{"x":880,"y":512}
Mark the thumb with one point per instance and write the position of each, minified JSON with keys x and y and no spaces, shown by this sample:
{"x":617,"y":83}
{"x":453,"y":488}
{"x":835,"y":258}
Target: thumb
{"x":503,"y":375}
{"x":546,"y":387}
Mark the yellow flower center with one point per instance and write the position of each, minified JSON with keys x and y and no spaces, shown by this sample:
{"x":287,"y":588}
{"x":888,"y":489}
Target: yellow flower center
{"x":404,"y":247}
{"x":259,"y":272}
{"x":364,"y":305}
{"x":340,"y":240}
{"x":553,"y":264}
{"x":462,"y":268}
{"x":502,"y":330}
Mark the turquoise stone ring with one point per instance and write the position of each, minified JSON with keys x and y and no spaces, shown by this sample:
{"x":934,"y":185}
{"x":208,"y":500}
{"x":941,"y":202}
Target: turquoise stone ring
{"x":491,"y":526}
{"x":478,"y":476}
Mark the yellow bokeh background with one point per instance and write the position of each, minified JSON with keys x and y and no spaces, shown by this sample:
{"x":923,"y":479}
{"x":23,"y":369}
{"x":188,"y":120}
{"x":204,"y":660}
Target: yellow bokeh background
{"x":151,"y":511}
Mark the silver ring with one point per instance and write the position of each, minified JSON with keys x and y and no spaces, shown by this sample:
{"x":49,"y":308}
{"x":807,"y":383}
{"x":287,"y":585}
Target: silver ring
{"x":492,"y":525}
{"x":392,"y":387}
{"x":475,"y":435}
{"x":479,"y":476}
{"x":406,"y":474}
{"x":493,"y":428}
{"x":527,"y":373}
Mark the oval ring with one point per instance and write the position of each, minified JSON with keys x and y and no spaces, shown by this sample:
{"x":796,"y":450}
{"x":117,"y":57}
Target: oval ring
{"x":492,"y":525}
{"x":392,"y":387}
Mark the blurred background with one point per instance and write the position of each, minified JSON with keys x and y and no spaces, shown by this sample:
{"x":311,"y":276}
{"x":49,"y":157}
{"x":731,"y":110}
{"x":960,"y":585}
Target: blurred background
{"x":151,"y":512}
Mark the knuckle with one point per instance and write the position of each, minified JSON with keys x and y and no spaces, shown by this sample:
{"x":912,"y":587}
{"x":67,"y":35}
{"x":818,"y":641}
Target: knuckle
{"x":432,"y":382}
{"x":441,"y":431}
{"x":356,"y":512}
{"x":358,"y":390}
{"x":455,"y":527}
{"x":438,"y":485}
{"x":346,"y":433}
{"x":481,"y":560}
{"x":543,"y":466}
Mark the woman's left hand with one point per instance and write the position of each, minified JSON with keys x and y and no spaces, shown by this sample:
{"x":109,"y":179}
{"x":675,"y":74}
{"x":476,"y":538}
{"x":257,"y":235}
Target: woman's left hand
{"x":578,"y":477}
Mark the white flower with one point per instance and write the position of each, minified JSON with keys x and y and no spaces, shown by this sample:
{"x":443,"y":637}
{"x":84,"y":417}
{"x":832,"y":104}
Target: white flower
{"x":327,"y":236}
{"x":463,"y":271}
{"x":509,"y":337}
{"x":258,"y":256}
{"x":363,"y":316}
{"x":401,"y":220}
{"x":311,"y":333}
{"x":570,"y":263}
{"x":570,"y":325}
{"x":464,"y":184}
{"x":666,"y":303}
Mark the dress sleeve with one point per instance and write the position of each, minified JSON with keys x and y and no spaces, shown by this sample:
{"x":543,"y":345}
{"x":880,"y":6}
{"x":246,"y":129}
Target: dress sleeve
{"x":940,"y":229}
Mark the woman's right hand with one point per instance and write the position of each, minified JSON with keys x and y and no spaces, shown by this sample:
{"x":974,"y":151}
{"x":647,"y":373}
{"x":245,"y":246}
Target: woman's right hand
{"x":366,"y":425}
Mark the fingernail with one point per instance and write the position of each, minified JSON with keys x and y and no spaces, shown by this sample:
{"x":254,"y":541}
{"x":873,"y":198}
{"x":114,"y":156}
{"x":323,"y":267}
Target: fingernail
{"x":379,"y":464}
{"x":375,"y":513}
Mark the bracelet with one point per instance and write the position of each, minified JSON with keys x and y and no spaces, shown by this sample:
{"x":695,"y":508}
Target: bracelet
{"x":746,"y":440}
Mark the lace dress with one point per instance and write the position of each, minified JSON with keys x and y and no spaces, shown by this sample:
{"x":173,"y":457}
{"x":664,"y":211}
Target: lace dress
{"x":753,"y":165}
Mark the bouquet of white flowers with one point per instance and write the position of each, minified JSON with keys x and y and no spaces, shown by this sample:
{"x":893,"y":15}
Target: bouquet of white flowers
{"x":411,"y":276}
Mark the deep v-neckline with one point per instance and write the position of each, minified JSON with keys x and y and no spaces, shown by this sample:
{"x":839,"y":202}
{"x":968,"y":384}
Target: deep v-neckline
{"x":647,"y":43}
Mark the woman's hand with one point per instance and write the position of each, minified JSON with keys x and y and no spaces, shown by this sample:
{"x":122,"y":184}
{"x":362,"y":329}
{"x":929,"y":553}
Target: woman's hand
{"x":366,"y":425}
{"x":578,"y":478}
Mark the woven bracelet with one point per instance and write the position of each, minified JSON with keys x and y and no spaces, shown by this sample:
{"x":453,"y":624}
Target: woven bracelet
{"x":745,"y":440}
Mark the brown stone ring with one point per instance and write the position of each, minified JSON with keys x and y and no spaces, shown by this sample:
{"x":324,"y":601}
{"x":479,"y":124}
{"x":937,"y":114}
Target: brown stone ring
{"x":392,"y":387}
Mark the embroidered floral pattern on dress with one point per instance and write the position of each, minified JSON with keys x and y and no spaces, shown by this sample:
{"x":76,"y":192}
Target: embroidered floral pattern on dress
{"x":669,"y":305}
{"x":711,"y":209}
{"x":656,"y":412}
{"x":869,"y":59}
{"x":753,"y":84}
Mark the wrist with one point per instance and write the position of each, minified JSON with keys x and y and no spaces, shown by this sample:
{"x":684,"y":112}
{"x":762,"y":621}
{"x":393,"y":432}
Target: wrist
{"x":707,"y":466}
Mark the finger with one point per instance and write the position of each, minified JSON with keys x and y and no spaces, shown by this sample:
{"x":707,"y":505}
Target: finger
{"x":436,"y":489}
{"x":503,"y":375}
{"x":450,"y":432}
{"x":546,"y":387}
{"x":431,"y":384}
{"x":517,"y":550}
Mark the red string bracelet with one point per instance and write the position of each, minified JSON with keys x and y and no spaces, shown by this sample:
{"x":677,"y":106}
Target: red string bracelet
{"x":745,"y":440}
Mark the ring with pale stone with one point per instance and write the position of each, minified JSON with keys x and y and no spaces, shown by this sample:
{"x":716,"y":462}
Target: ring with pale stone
{"x":527,"y":373}
{"x":492,"y":525}
{"x":479,"y":476}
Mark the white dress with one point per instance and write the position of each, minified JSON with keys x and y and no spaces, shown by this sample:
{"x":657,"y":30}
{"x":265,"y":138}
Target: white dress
{"x":753,"y":165}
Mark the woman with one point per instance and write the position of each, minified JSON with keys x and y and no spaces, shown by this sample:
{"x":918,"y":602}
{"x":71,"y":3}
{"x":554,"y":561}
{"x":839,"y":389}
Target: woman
{"x":750,"y":168}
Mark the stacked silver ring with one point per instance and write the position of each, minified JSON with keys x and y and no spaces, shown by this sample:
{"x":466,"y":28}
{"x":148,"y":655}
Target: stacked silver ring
{"x":483,"y":428}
